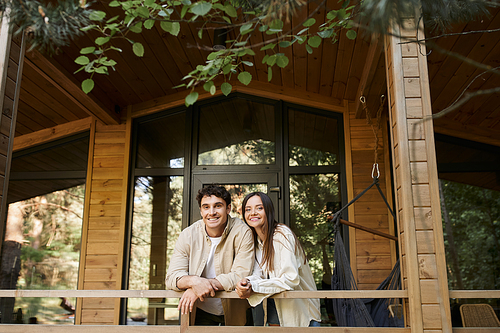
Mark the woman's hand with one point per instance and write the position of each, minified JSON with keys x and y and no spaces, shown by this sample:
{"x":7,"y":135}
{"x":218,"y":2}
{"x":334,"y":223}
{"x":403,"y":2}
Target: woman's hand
{"x":244,"y":288}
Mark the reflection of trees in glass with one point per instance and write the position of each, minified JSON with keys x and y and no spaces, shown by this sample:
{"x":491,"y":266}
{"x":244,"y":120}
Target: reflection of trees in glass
{"x":49,"y":228}
{"x":474,"y":217}
{"x":141,"y":227}
{"x":238,"y":193}
{"x":311,"y":197}
{"x":302,"y":156}
{"x":247,"y":152}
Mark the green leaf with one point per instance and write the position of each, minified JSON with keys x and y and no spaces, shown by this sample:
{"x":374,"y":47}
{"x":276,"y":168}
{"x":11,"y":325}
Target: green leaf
{"x":87,"y":28}
{"x":302,"y":31}
{"x":250,"y":52}
{"x":264,"y":60}
{"x":245,"y":78}
{"x":87,"y":85}
{"x":137,"y":28}
{"x":282,"y":61}
{"x":102,"y":40}
{"x":314,"y":41}
{"x":263,"y":28}
{"x":115,"y":48}
{"x":213,"y":89}
{"x":142,"y":12}
{"x":200,"y":33}
{"x":301,"y":39}
{"x":87,"y":50}
{"x":171,"y":27}
{"x":226,"y":88}
{"x":285,"y":43}
{"x":184,"y":11}
{"x":271,"y":60}
{"x":246,"y":28}
{"x":276,"y":25}
{"x":149,"y":3}
{"x":308,"y":49}
{"x":102,"y":70}
{"x":112,"y":19}
{"x":247,"y":63}
{"x":268,"y":46}
{"x":331,"y":15}
{"x":269,"y":74}
{"x":114,"y":3}
{"x":149,"y":24}
{"x":201,"y":8}
{"x":240,"y":44}
{"x":227,"y":19}
{"x":191,"y":98}
{"x":326,"y":33}
{"x":230,"y":10}
{"x":138,"y":49}
{"x":351,"y":34}
{"x":208,"y":85}
{"x":309,"y":22}
{"x":97,"y":15}
{"x":82,"y":60}
{"x":226,"y":69}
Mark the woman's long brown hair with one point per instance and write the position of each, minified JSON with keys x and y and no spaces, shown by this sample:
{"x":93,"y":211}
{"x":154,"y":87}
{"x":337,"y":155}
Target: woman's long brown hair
{"x":269,"y":229}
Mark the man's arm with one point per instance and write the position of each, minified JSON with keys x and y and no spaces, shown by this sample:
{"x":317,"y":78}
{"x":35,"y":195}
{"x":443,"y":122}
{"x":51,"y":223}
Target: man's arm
{"x":243,"y":260}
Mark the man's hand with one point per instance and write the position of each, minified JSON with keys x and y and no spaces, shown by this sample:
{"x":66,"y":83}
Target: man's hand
{"x":244,"y":288}
{"x":187,"y":301}
{"x":201,"y":287}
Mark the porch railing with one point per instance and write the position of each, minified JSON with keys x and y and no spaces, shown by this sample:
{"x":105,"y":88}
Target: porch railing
{"x":184,"y":322}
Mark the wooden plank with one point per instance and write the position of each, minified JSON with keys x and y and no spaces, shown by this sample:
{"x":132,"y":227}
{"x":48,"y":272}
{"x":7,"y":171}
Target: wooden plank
{"x":99,"y":236}
{"x":425,"y":242}
{"x":103,"y":247}
{"x":474,"y":293}
{"x":205,"y":329}
{"x":376,"y":262}
{"x":97,"y":303}
{"x":368,"y":71}
{"x":101,"y":261}
{"x":421,"y":196}
{"x":65,"y":84}
{"x":108,"y":173}
{"x":373,"y":248}
{"x":107,"y":184}
{"x":220,"y":294}
{"x":50,"y":134}
{"x":430,"y":291}
{"x":107,"y":210}
{"x":104,"y":223}
{"x":97,"y":274}
{"x":427,"y":266}
{"x":101,"y":316}
{"x":109,"y":149}
{"x":432,"y":315}
{"x":108,"y":162}
{"x":106,"y":197}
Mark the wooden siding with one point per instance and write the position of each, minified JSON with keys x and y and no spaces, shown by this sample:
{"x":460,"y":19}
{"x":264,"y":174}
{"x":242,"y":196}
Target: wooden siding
{"x":415,"y":170}
{"x":104,"y":222}
{"x":372,"y":256}
{"x":11,"y":64}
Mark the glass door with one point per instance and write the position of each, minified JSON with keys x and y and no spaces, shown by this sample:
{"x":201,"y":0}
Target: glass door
{"x":239,"y":185}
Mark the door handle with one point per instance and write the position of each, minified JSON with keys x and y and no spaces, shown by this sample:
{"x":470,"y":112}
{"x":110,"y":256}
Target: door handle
{"x":276,"y":189}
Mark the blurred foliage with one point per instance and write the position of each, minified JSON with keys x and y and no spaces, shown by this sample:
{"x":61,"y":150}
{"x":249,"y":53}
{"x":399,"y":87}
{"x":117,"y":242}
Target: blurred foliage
{"x":475,"y":218}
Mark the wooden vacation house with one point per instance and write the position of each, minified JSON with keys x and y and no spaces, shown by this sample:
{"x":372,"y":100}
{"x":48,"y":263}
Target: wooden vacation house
{"x":303,"y":137}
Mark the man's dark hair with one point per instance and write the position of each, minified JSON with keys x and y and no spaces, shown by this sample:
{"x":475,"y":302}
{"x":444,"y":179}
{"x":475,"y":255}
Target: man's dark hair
{"x":214,"y":189}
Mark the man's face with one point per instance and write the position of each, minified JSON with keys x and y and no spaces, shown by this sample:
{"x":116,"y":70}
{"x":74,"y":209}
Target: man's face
{"x":214,"y":213}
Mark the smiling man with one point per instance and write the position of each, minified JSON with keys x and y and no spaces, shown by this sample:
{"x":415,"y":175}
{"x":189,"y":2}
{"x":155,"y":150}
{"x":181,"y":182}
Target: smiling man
{"x":211,"y":255}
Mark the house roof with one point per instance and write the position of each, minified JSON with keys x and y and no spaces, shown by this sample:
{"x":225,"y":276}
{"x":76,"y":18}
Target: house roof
{"x":51,"y":94}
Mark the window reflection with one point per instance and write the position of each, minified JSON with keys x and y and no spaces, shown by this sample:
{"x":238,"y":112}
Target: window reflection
{"x":236,"y":132}
{"x":156,"y":225}
{"x":313,"y":139}
{"x":312,"y":199}
{"x":160,"y":142}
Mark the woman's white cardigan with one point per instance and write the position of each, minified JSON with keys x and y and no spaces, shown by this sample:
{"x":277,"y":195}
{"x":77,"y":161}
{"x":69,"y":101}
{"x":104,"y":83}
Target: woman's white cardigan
{"x":290,"y":273}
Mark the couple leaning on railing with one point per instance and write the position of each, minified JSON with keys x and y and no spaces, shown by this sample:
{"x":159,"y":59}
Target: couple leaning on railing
{"x":258,"y":258}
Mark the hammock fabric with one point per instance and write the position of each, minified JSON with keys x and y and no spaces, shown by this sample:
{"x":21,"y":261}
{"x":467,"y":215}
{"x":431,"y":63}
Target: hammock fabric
{"x":351,"y":312}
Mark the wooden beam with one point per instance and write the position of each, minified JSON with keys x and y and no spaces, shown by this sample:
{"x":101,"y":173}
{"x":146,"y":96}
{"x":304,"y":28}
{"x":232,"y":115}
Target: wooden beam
{"x":260,"y":89}
{"x":65,"y":83}
{"x":205,"y":329}
{"x":51,"y":134}
{"x":368,"y":72}
{"x":468,"y":132}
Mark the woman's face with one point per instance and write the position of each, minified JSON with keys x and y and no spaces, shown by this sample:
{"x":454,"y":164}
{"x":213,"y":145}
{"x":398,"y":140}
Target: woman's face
{"x":255,"y":215}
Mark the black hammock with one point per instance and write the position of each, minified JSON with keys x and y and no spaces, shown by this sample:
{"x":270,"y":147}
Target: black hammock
{"x":356,"y":312}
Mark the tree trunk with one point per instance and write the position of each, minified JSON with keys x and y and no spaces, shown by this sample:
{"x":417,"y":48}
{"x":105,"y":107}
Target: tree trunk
{"x":451,"y":240}
{"x":10,"y":264}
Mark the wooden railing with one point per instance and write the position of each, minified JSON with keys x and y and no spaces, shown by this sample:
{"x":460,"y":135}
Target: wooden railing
{"x":185,"y":327}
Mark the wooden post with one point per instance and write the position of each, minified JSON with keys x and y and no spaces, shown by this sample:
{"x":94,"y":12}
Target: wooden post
{"x":416,"y":182}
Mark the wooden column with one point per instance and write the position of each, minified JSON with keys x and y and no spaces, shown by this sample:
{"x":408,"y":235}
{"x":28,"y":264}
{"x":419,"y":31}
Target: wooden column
{"x":12,"y":51}
{"x":416,"y":182}
{"x":103,"y":228}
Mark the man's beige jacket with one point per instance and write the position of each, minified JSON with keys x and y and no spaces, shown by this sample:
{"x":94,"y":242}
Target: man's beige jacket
{"x":233,"y":260}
